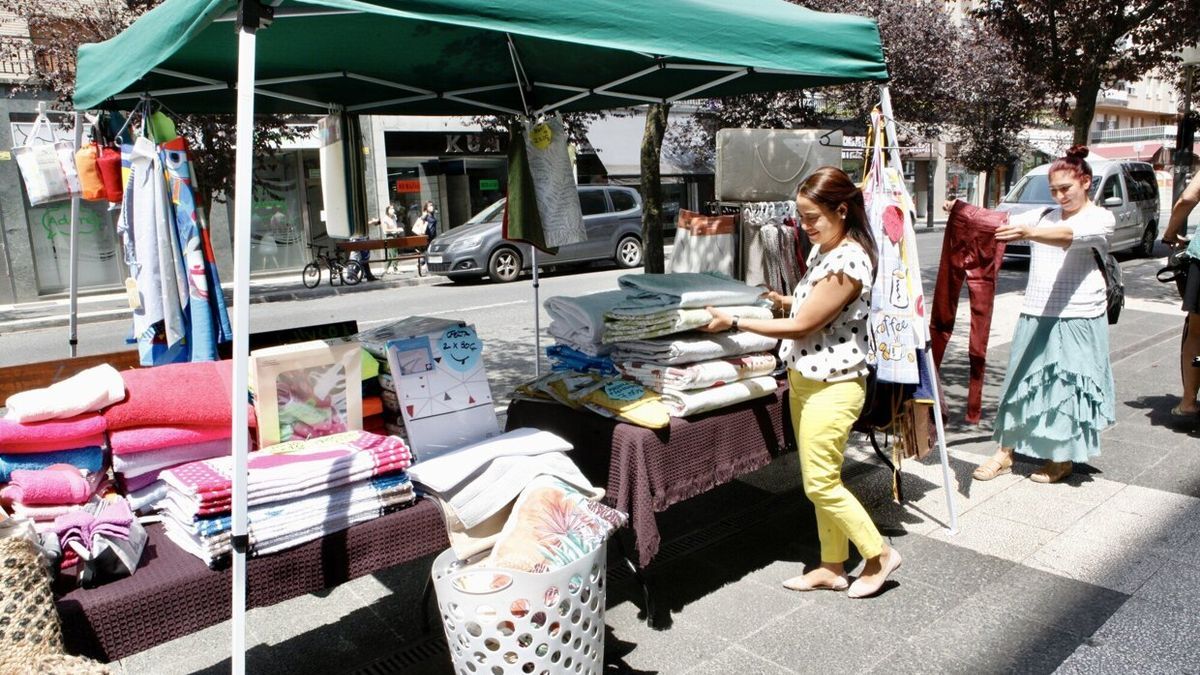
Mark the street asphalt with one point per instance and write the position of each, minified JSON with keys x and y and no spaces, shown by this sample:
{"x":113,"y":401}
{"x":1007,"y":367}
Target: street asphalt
{"x":1098,"y":574}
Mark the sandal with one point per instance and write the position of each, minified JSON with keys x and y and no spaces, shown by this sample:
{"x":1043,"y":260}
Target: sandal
{"x":1052,"y":472}
{"x":1178,"y":411}
{"x":991,"y":469}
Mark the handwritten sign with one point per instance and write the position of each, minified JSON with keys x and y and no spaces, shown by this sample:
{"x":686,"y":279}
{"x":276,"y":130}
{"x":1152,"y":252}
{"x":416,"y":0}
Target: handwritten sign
{"x":461,"y":348}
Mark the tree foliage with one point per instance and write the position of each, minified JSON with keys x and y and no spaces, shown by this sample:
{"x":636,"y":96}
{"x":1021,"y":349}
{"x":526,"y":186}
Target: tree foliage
{"x":947,"y":80}
{"x":1079,"y":47}
{"x":55,"y":32}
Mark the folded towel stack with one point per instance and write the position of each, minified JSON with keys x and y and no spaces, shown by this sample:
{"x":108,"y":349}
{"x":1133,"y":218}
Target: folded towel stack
{"x":173,"y":414}
{"x":52,"y":444}
{"x":645,"y":330}
{"x":297,"y":491}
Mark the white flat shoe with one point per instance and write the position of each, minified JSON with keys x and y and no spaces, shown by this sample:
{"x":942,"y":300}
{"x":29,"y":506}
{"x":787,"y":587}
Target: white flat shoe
{"x":801,"y":584}
{"x":863,"y":589}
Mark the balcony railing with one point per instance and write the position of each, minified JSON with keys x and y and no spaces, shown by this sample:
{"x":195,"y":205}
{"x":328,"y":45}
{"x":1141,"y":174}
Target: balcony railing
{"x":1158,"y":133}
{"x":19,"y":65}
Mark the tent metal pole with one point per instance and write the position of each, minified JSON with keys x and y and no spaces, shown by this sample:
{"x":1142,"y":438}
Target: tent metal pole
{"x":885,"y":105}
{"x":241,"y":331}
{"x":537,"y":317}
{"x":73,"y":273}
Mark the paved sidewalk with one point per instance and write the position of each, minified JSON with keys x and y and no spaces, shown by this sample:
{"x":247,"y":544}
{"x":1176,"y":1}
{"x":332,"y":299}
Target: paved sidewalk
{"x":1095,"y":575}
{"x":92,"y":308}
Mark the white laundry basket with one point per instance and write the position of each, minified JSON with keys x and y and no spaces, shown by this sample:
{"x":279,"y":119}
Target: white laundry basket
{"x":502,"y":621}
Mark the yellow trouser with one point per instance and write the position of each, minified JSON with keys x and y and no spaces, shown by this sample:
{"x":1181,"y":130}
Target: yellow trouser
{"x":822,"y":415}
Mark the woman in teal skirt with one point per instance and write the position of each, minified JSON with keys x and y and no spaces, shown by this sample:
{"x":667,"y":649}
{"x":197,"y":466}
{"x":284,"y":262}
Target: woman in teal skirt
{"x":1058,"y":392}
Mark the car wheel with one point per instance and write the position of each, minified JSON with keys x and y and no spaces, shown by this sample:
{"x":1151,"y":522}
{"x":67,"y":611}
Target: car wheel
{"x":1145,"y":248}
{"x":629,"y":253}
{"x":504,"y":265}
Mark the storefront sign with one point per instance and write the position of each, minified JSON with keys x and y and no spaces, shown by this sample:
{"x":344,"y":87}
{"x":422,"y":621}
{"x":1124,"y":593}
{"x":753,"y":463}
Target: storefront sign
{"x":437,"y":144}
{"x":408,"y":185}
{"x":489,"y":184}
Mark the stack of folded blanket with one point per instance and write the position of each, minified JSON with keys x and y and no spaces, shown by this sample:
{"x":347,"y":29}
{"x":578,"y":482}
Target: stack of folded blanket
{"x":173,"y":414}
{"x":698,"y":372}
{"x":663,"y":304}
{"x":297,"y":491}
{"x":52,"y":445}
{"x":578,"y":321}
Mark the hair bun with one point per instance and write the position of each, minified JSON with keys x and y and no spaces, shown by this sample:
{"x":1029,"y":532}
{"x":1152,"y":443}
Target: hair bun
{"x":1078,"y":151}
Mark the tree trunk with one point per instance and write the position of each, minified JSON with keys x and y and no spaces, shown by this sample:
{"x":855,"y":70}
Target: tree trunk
{"x":652,"y":234}
{"x":1085,"y":107}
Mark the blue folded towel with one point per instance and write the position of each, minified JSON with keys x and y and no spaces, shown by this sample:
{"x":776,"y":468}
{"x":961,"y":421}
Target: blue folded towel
{"x":90,"y":459}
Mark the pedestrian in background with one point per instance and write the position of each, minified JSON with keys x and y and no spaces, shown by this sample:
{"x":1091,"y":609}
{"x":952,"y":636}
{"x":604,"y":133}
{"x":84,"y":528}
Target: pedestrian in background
{"x":1190,"y":291}
{"x":825,"y":349}
{"x":1058,"y":392}
{"x":427,"y":222}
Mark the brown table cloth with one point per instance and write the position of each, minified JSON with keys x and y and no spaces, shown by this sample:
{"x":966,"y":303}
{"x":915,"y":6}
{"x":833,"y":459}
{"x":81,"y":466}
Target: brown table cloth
{"x":648,"y":470}
{"x":173,"y":593}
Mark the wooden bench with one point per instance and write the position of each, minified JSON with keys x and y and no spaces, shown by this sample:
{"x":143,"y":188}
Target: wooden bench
{"x":415,"y":244}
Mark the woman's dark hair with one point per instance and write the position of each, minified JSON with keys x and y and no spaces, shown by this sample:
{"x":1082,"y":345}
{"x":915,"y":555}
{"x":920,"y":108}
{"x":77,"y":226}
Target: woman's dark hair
{"x":1074,"y":162}
{"x":830,"y":187}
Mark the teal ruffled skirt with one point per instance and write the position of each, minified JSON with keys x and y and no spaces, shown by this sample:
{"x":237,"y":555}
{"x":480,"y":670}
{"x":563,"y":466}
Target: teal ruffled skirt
{"x":1058,"y":394}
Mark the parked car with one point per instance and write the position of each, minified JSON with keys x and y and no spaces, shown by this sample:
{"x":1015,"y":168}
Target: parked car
{"x":1128,"y":189}
{"x":612,"y":216}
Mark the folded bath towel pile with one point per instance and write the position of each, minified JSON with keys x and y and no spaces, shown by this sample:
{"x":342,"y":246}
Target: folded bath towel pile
{"x":297,"y":491}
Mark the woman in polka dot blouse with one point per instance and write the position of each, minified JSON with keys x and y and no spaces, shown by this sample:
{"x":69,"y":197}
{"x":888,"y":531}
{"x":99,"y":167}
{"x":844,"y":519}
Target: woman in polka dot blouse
{"x":825,"y":348}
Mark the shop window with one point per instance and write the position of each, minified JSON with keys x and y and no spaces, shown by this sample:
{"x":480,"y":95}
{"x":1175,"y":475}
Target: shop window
{"x":50,"y":235}
{"x":276,"y":223}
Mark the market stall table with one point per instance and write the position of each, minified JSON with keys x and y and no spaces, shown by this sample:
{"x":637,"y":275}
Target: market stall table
{"x":173,"y":593}
{"x":647,"y":471}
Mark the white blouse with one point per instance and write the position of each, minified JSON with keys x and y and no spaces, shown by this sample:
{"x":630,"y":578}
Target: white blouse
{"x":838,"y":351}
{"x":1067,"y":282}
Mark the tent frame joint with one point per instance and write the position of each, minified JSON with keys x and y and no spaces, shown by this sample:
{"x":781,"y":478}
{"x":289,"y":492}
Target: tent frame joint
{"x":253,"y":15}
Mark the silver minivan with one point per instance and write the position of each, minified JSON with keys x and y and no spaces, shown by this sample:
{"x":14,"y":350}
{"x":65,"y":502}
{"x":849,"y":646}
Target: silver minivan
{"x":1128,"y":189}
{"x":612,"y":216}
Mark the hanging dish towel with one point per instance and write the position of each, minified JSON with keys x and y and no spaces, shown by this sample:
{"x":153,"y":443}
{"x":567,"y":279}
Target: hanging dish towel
{"x":554,"y":182}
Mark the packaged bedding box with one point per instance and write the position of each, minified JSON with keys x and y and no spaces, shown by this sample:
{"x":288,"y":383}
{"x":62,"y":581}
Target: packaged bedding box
{"x":306,"y":390}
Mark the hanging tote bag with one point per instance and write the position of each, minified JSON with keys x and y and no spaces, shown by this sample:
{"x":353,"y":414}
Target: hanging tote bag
{"x":109,"y":165}
{"x":87,"y":160}
{"x":704,"y":244}
{"x":897,"y":317}
{"x":47,"y":167}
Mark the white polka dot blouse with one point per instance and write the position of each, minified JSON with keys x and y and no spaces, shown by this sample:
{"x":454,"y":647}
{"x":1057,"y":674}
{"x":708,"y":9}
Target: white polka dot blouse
{"x":837,"y":352}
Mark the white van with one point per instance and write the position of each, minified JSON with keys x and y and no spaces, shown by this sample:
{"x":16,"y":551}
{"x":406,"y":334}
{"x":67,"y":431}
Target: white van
{"x":1128,"y":189}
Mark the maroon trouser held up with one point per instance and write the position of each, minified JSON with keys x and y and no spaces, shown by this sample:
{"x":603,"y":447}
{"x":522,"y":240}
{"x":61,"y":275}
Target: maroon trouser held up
{"x":969,"y":251}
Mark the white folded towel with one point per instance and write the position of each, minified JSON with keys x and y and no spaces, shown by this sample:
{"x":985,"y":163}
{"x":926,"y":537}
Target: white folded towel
{"x":442,"y":474}
{"x":87,"y":391}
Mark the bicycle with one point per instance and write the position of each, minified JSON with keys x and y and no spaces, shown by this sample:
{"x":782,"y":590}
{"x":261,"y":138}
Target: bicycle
{"x":347,"y":272}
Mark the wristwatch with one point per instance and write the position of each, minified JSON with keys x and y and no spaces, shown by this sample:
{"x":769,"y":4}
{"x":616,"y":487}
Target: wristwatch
{"x":734,"y":325}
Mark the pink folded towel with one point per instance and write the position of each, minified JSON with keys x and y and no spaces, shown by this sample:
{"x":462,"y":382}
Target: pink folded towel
{"x":190,"y":394}
{"x":42,"y":447}
{"x":73,"y":432}
{"x":42,"y":513}
{"x":144,"y":439}
{"x":59,"y":484}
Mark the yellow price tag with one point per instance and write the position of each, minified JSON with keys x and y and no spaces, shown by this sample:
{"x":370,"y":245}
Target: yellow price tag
{"x":541,"y":135}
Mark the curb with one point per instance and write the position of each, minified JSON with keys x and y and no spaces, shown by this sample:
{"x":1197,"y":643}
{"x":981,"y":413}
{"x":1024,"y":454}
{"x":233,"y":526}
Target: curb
{"x":324,"y":291}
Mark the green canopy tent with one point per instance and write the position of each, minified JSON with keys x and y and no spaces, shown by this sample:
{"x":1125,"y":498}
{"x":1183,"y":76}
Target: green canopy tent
{"x":450,"y":57}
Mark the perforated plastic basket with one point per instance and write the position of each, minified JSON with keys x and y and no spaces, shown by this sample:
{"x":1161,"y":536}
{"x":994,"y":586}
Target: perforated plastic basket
{"x":501,"y":621}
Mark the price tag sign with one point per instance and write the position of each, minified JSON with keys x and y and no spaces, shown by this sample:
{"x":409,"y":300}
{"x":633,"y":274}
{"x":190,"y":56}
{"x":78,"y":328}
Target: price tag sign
{"x":461,"y":348}
{"x":624,"y":390}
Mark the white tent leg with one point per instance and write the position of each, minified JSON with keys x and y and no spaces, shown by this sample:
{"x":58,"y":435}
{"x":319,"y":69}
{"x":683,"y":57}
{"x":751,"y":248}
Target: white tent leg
{"x":73,"y":273}
{"x":537,"y":318}
{"x":885,"y":99}
{"x":241,"y":332}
